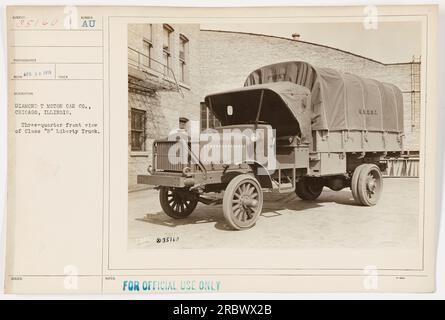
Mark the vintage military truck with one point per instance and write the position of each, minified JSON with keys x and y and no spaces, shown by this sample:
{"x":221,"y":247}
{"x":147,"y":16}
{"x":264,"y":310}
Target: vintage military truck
{"x":326,"y":128}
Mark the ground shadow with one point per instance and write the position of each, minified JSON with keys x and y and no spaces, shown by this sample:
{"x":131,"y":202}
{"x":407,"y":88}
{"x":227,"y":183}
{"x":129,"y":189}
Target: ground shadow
{"x":273,"y":202}
{"x":341,"y":197}
{"x":274,"y":205}
{"x":197,"y":217}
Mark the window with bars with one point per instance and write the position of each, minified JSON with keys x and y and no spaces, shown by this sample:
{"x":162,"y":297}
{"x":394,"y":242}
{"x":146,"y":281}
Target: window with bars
{"x":208,"y":119}
{"x":183,"y":57}
{"x":166,"y":46}
{"x":138,"y":120}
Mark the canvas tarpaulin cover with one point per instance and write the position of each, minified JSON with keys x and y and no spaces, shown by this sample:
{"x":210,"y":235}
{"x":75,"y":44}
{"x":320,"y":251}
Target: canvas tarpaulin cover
{"x":340,"y":101}
{"x":284,"y":105}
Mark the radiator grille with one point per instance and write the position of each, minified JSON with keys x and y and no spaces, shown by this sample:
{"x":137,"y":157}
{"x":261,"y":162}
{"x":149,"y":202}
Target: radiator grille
{"x":161,"y":157}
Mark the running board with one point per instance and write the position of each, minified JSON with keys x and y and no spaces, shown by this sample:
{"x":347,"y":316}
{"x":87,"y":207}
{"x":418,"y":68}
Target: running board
{"x":283,"y":190}
{"x":279,"y":187}
{"x":283,"y":187}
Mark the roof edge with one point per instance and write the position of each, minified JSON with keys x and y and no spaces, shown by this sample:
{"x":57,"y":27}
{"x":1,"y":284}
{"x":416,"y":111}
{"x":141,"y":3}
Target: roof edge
{"x":311,"y":43}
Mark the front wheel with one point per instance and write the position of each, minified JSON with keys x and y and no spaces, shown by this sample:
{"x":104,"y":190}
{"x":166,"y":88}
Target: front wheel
{"x":367,"y":184}
{"x":242,"y":202}
{"x":177,"y":203}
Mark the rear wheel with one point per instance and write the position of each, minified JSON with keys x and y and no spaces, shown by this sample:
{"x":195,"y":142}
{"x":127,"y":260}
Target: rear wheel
{"x":309,"y":188}
{"x":242,"y":202}
{"x":354,"y":182}
{"x":176,"y":203}
{"x":367,"y":184}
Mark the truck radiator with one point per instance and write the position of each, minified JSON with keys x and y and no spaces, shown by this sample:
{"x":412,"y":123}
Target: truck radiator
{"x":161,"y":160}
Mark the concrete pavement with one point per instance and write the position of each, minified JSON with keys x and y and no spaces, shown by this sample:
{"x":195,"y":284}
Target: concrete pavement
{"x":332,"y":221}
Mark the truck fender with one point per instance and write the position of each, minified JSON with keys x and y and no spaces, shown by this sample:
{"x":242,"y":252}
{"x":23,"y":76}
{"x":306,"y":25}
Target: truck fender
{"x":263,"y":175}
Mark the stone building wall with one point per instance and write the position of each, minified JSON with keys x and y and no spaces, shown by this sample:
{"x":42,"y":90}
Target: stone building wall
{"x":163,"y":107}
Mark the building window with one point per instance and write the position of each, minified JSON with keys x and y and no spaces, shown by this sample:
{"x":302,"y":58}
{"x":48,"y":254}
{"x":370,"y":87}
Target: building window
{"x":208,"y":119}
{"x":183,"y":123}
{"x":138,"y":119}
{"x":146,"y":58}
{"x":140,"y":49}
{"x":166,"y":47}
{"x":183,"y":57}
{"x":147,"y":45}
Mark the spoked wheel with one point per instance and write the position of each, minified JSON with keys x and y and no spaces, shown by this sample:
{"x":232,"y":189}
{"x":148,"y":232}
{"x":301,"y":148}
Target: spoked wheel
{"x":367,"y":184}
{"x":242,"y":202}
{"x":177,"y":203}
{"x":309,"y":188}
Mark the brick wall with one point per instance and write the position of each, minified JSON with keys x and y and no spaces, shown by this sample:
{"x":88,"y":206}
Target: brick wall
{"x":164,"y":107}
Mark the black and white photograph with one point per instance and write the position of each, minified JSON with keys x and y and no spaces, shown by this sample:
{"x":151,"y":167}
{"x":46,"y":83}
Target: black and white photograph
{"x":279,"y":135}
{"x":202,"y":151}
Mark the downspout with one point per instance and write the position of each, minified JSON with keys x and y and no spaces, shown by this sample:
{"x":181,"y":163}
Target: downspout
{"x":256,"y":123}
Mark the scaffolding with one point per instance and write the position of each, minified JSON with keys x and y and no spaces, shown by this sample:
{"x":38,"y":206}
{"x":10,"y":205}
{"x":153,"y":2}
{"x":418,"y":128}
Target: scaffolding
{"x":407,"y":164}
{"x":415,"y":93}
{"x":156,"y":75}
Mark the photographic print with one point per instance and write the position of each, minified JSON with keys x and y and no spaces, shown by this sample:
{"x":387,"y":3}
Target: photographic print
{"x":337,"y":122}
{"x":202,"y":150}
